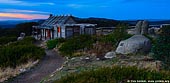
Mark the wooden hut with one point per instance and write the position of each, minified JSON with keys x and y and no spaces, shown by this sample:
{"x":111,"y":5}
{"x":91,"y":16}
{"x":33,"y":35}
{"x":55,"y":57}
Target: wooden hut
{"x":63,"y":26}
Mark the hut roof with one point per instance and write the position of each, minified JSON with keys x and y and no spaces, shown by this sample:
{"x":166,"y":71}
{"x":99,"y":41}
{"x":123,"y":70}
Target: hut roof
{"x":53,"y":20}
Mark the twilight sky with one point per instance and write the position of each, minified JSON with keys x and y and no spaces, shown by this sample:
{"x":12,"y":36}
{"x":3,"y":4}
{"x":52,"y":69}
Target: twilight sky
{"x":113,"y":9}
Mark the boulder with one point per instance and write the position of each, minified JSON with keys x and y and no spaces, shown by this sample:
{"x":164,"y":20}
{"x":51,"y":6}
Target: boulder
{"x":141,"y":27}
{"x":138,"y":28}
{"x":22,"y":35}
{"x":144,"y":27}
{"x":20,"y":38}
{"x":137,"y":43}
{"x":151,"y":31}
{"x":110,"y":55}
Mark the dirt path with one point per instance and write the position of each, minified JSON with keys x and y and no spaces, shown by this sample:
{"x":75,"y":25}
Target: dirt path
{"x":49,"y":64}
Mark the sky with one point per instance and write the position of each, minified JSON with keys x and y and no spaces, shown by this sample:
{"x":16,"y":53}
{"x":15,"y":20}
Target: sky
{"x":112,"y":9}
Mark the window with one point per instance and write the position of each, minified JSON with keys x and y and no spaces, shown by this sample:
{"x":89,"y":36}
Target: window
{"x":58,"y":29}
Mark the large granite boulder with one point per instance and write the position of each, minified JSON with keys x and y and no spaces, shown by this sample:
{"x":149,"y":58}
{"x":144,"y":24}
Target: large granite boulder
{"x":137,"y":43}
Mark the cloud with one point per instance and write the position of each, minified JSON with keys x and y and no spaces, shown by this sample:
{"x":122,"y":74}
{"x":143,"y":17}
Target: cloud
{"x":22,"y":11}
{"x":24,"y":3}
{"x":23,"y":16}
{"x":77,"y":5}
{"x":8,"y":18}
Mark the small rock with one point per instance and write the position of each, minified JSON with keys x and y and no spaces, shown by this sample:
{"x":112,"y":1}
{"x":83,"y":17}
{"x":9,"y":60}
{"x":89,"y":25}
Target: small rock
{"x":20,"y":38}
{"x":52,"y":75}
{"x":97,"y":59}
{"x":35,"y":62}
{"x":67,"y":58}
{"x":87,"y":58}
{"x":72,"y":58}
{"x":81,"y":58}
{"x":110,"y":55}
{"x":22,"y":70}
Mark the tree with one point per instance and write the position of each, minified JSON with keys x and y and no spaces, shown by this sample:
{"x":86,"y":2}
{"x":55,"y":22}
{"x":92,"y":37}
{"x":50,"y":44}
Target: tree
{"x":161,"y":48}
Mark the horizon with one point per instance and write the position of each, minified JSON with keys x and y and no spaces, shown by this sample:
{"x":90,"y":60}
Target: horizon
{"x":113,"y":9}
{"x":1,"y":20}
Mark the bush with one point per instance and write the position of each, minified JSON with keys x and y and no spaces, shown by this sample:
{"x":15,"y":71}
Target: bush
{"x":118,"y":34}
{"x":19,"y":52}
{"x":76,"y":43}
{"x":161,"y":48}
{"x":6,"y":40}
{"x":114,"y":75}
{"x":56,"y":42}
{"x":153,"y":40}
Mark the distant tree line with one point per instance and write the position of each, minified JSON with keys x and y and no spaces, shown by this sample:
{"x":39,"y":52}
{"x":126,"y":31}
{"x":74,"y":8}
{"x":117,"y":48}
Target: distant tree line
{"x":23,"y":27}
{"x":101,"y":22}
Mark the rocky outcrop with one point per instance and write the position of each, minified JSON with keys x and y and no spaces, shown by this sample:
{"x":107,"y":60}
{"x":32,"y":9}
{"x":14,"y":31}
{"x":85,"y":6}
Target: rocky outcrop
{"x":138,"y":27}
{"x":142,"y":27}
{"x":137,"y":43}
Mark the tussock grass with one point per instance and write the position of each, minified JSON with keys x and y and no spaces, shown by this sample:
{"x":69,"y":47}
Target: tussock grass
{"x":114,"y":75}
{"x":8,"y":72}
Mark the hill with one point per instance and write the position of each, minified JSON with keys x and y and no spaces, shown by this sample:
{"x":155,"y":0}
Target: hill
{"x":18,"y":28}
{"x":101,"y":22}
{"x":13,"y":23}
{"x":151,"y":22}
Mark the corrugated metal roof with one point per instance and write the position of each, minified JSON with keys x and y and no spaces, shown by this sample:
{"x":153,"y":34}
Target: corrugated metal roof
{"x":53,"y":20}
{"x":60,"y":20}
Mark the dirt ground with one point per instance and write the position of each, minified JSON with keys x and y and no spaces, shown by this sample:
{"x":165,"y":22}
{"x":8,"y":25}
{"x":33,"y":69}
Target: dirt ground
{"x":48,"y":65}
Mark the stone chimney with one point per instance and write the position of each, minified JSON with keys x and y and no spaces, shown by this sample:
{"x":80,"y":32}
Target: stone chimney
{"x":51,"y":15}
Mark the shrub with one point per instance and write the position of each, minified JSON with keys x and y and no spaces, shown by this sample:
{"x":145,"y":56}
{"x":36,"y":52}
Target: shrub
{"x":153,"y":40}
{"x":161,"y":48}
{"x":116,"y":36}
{"x":19,"y":52}
{"x":114,"y":75}
{"x":6,"y":40}
{"x":101,"y":48}
{"x":56,"y":42}
{"x":76,"y":43}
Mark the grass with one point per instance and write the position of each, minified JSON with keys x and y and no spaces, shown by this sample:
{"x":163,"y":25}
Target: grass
{"x":12,"y":72}
{"x":19,"y":52}
{"x":114,"y":75}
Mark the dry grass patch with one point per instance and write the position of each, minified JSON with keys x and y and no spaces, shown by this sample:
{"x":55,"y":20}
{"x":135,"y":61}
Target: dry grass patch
{"x":9,"y":72}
